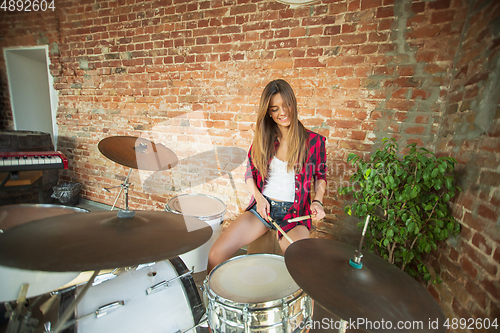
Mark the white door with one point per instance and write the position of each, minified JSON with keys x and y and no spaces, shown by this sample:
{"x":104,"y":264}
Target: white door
{"x":31,"y":90}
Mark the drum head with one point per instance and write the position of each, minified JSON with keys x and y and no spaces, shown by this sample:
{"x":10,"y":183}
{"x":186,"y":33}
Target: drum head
{"x":202,"y":206}
{"x":253,"y":278}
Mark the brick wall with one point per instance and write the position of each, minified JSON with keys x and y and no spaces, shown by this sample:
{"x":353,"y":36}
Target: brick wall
{"x":470,"y":132}
{"x":189,"y":74}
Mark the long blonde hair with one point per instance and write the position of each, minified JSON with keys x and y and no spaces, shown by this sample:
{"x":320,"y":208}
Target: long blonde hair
{"x":267,"y":131}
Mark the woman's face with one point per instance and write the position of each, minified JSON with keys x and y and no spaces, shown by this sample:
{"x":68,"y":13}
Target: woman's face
{"x":278,"y":111}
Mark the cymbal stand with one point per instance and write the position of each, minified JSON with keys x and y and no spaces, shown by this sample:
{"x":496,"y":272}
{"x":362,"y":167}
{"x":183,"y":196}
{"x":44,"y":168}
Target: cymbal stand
{"x":123,"y":188}
{"x":356,"y":261}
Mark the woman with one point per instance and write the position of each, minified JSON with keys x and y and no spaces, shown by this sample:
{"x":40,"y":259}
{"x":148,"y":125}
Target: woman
{"x":284,"y":160}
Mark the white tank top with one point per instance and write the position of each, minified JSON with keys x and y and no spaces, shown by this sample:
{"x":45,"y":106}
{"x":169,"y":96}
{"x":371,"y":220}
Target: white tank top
{"x":279,"y":184}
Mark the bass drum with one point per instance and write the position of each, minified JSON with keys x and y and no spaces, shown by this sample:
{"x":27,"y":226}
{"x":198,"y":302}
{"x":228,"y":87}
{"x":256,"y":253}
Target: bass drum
{"x":127,"y":304}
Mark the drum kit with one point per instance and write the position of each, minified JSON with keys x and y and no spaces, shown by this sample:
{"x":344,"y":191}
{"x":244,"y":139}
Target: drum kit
{"x":44,"y":247}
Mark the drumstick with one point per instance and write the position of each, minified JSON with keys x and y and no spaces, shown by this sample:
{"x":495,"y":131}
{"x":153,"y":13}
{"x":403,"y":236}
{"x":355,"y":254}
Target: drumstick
{"x":280,"y":230}
{"x":300,"y":218}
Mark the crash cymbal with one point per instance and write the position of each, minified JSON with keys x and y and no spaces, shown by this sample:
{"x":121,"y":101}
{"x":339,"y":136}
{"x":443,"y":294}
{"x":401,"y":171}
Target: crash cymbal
{"x":100,"y":240}
{"x":379,"y":292}
{"x":39,"y":282}
{"x":138,"y":153}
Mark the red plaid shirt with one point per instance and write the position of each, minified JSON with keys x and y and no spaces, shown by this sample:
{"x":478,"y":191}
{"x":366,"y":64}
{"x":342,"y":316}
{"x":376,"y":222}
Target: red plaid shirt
{"x":315,"y":166}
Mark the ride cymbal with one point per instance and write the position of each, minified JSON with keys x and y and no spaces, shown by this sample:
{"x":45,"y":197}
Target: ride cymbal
{"x":138,"y":153}
{"x":379,"y":294}
{"x":100,"y":240}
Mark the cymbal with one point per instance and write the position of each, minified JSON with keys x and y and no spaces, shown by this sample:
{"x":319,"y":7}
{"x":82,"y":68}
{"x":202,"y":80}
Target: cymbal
{"x":100,"y":240}
{"x":13,"y":215}
{"x":39,"y":282}
{"x":138,"y":153}
{"x":378,"y":291}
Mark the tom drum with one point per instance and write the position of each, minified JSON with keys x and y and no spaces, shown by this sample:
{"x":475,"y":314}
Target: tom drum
{"x":253,"y":293}
{"x":206,"y":208}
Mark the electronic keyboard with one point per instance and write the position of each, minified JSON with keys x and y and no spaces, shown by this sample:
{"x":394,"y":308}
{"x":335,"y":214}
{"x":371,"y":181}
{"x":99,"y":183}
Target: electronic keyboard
{"x":32,"y":160}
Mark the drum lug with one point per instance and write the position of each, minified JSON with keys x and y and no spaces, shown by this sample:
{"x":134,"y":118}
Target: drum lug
{"x":165,"y":284}
{"x":247,"y":319}
{"x":284,"y":320}
{"x":218,"y":310}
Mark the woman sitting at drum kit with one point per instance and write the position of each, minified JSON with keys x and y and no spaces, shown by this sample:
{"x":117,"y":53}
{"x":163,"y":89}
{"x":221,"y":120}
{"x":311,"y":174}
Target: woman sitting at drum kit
{"x":282,"y":162}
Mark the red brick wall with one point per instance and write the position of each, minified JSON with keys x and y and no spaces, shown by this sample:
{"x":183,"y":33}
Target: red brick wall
{"x":190,"y":73}
{"x":470,"y":132}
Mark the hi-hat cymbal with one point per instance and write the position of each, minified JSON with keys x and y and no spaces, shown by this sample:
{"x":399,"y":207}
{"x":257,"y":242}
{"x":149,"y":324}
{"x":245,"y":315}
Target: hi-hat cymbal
{"x":100,"y":240}
{"x":379,"y":292}
{"x":138,"y":153}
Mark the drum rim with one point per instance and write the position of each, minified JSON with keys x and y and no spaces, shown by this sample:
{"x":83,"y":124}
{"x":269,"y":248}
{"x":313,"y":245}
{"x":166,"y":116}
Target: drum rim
{"x":25,"y":205}
{"x":203,"y":218}
{"x":254,"y":305}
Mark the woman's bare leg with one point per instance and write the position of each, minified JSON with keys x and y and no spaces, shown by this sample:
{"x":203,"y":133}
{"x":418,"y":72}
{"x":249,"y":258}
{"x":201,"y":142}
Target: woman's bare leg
{"x":242,"y":231}
{"x":299,"y":232}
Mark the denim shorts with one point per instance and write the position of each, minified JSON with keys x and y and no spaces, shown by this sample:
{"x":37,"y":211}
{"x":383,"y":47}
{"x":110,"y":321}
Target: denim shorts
{"x":278,"y":211}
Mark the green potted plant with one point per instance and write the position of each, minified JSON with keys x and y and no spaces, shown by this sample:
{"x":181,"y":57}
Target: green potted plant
{"x":406,"y":198}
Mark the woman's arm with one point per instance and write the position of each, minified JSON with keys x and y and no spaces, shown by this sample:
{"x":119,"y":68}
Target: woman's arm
{"x":316,"y":207}
{"x":263,"y":207}
{"x":320,"y":181}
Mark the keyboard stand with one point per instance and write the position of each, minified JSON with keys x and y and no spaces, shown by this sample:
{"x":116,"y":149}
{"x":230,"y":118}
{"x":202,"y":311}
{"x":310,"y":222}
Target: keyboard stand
{"x":25,"y":179}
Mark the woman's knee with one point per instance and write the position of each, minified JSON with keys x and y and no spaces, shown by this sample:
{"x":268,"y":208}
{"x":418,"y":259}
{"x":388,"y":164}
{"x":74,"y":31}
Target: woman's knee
{"x":217,"y":252}
{"x":297,"y":233}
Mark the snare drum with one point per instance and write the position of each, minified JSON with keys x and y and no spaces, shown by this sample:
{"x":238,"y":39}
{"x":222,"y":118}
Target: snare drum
{"x":206,"y":208}
{"x":39,"y":282}
{"x":255,"y":292}
{"x":129,"y":303}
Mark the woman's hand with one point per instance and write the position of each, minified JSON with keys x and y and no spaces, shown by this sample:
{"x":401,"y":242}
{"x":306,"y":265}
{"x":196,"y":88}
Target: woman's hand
{"x":263,"y":207}
{"x":318,"y":211}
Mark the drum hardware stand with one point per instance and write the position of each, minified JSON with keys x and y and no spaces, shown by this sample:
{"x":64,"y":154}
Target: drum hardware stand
{"x":356,"y":261}
{"x":165,"y":284}
{"x":69,"y":311}
{"x":123,"y":187}
{"x":47,"y":305}
{"x":20,"y":317}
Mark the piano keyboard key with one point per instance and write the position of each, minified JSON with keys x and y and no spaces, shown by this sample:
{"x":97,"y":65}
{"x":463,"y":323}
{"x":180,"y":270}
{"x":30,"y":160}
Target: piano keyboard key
{"x":30,"y":161}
